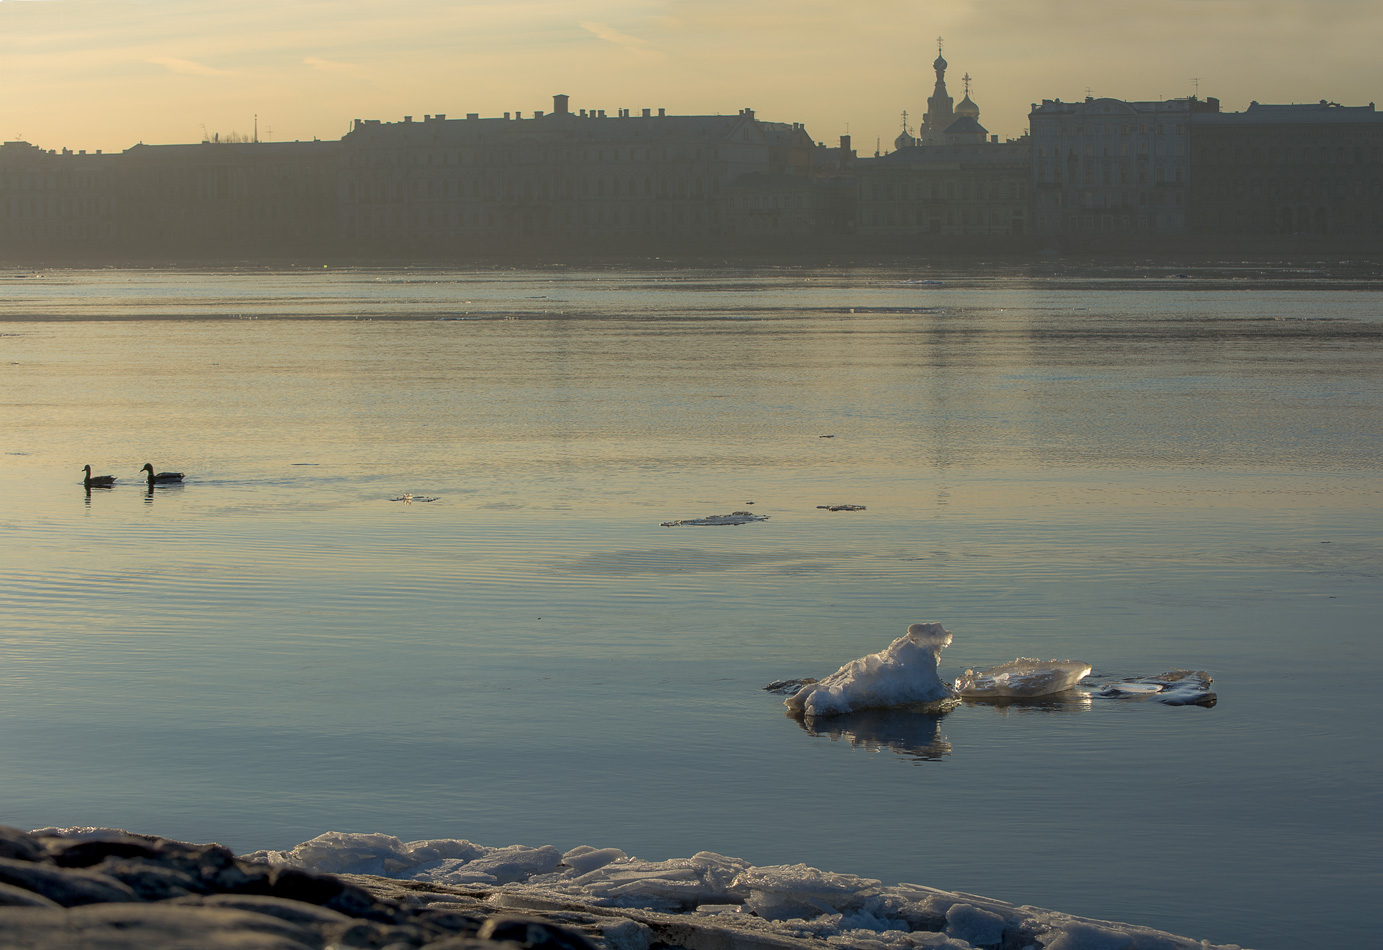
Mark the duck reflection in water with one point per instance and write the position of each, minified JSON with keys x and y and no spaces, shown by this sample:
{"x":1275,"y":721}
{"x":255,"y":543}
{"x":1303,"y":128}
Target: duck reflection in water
{"x":905,"y":730}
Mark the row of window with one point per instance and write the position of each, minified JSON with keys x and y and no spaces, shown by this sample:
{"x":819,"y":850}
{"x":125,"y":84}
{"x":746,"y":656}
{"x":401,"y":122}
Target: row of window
{"x":55,"y":208}
{"x":528,"y":189}
{"x":1050,"y":129}
{"x":1072,"y":152}
{"x":509,"y":156}
{"x":942,"y":191}
{"x":1291,"y":187}
{"x":969,"y":218}
{"x":1307,"y":155}
{"x":457,"y":223}
{"x":1107,"y":173}
{"x":1111,"y":222}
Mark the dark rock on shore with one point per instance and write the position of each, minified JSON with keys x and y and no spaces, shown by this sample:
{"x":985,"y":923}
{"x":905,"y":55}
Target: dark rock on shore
{"x":116,"y":891}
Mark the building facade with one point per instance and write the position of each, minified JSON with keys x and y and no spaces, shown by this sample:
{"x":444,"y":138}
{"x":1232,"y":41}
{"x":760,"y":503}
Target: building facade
{"x":958,"y":190}
{"x":243,"y":195}
{"x":1288,"y":169}
{"x":53,"y":198}
{"x":561,"y":174}
{"x":565,"y":176}
{"x":1110,"y":166}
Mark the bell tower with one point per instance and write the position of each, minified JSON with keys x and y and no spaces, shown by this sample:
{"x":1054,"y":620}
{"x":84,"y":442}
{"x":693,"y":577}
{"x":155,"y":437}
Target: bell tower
{"x":940,"y":107}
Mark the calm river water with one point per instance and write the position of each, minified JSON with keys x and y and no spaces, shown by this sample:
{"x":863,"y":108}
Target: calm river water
{"x":1142,"y":473}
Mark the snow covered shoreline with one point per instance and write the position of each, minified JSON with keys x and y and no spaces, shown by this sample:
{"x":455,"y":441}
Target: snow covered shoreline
{"x":740,"y":904}
{"x":75,"y":888}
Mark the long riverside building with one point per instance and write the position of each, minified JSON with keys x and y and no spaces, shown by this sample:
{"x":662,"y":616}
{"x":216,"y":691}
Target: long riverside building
{"x":559,"y":176}
{"x":451,"y":187}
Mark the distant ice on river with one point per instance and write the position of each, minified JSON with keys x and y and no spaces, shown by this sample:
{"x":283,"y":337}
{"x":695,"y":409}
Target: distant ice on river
{"x":904,"y":674}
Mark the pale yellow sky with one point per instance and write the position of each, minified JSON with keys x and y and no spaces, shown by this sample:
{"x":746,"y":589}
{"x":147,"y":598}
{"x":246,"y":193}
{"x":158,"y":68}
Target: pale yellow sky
{"x":109,"y":73}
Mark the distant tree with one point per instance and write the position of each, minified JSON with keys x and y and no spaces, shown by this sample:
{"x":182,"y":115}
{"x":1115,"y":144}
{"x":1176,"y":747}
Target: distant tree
{"x":223,"y":138}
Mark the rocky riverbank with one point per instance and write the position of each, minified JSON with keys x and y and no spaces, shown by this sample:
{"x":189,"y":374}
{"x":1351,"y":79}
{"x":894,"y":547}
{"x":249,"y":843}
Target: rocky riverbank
{"x":107,"y":890}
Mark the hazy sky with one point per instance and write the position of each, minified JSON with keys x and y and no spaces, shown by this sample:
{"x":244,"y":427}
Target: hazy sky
{"x":109,"y":73}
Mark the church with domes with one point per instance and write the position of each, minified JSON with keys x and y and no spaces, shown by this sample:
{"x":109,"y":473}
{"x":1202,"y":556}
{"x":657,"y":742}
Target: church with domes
{"x":950,"y":179}
{"x":945,"y":122}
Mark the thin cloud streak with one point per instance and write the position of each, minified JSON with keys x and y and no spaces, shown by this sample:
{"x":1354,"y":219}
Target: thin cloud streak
{"x":624,"y":41}
{"x":186,"y":67}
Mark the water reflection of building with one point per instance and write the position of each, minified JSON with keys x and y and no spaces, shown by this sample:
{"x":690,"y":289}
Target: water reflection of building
{"x":1288,"y":169}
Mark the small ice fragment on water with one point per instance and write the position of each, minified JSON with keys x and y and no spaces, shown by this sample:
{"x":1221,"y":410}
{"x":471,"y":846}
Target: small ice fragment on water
{"x":789,"y":686}
{"x":842,"y":507}
{"x":1022,"y":678}
{"x":410,"y":498}
{"x":1173,"y":688}
{"x":734,"y":517}
{"x":903,"y":673}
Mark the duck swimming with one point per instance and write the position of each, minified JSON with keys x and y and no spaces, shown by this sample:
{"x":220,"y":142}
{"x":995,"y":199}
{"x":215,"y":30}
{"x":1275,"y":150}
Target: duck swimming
{"x":162,"y":478}
{"x":96,"y":481}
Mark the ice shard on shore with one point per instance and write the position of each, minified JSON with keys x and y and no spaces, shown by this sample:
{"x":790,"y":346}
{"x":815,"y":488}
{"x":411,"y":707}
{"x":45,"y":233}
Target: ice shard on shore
{"x":902,"y":674}
{"x":1023,"y":678}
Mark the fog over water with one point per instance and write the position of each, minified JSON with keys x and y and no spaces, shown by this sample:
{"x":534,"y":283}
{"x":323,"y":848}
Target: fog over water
{"x":1142,"y":473}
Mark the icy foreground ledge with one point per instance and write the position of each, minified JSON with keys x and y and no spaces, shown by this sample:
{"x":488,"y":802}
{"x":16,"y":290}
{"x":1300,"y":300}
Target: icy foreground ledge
{"x":710,"y":900}
{"x":903,"y":673}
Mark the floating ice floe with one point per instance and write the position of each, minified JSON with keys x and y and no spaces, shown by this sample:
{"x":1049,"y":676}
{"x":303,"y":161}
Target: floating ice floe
{"x":842,"y":507}
{"x":712,"y":900}
{"x":1174,"y":688}
{"x":902,"y":674}
{"x":734,"y":517}
{"x":410,"y":499}
{"x":1023,"y":678}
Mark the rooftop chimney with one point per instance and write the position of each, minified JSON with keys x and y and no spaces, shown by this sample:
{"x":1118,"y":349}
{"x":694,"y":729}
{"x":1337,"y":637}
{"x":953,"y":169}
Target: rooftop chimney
{"x":408,"y":118}
{"x":662,"y":112}
{"x":559,"y":104}
{"x":647,"y":113}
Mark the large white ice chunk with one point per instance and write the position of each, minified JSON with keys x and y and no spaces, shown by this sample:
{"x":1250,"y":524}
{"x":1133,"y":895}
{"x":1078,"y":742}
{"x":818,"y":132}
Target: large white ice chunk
{"x":1022,"y":678}
{"x":902,"y":674}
